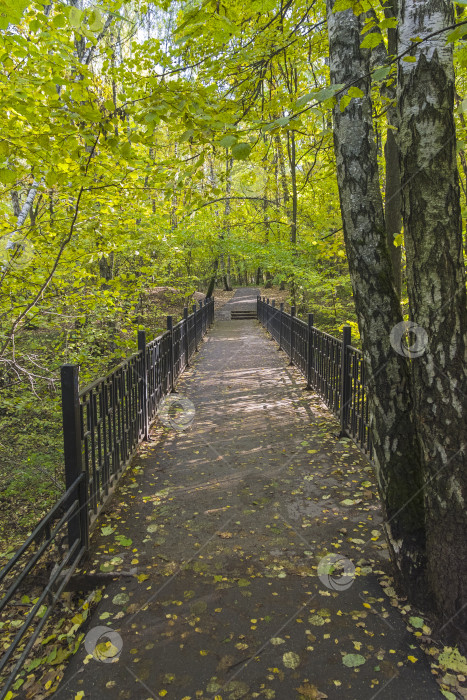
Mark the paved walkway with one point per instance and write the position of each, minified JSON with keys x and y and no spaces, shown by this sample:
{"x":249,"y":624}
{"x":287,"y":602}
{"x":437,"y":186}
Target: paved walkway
{"x":229,"y":525}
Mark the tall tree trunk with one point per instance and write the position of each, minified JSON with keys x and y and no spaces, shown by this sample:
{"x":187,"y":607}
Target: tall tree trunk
{"x":396,"y":451}
{"x":293,"y":222}
{"x":15,"y":202}
{"x":226,"y":225}
{"x":28,"y":203}
{"x":227,"y":275}
{"x":437,"y":296}
{"x":213,"y":280}
{"x":284,"y":184}
{"x":393,"y":203}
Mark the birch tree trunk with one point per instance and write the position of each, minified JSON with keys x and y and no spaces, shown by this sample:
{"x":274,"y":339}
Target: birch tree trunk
{"x":436,"y":288}
{"x":396,"y":449}
{"x":392,"y":209}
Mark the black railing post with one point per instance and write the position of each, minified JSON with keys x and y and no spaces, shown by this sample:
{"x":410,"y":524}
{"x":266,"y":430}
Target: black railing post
{"x":205,"y":316}
{"x":292,"y":335}
{"x":171,"y":354}
{"x":309,"y":359}
{"x":195,"y":331}
{"x":346,"y":381}
{"x":258,"y":300}
{"x":78,"y":525}
{"x":144,"y":383}
{"x":281,"y":311}
{"x":201,"y":320}
{"x":267,"y":315}
{"x":187,"y":340}
{"x":273,"y":317}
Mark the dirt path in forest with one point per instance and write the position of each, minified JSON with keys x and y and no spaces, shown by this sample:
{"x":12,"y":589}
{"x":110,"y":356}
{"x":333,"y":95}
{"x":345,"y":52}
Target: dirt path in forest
{"x":228,"y":525}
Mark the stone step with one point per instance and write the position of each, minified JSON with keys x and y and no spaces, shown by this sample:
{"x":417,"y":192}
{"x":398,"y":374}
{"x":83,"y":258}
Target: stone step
{"x":239,"y":315}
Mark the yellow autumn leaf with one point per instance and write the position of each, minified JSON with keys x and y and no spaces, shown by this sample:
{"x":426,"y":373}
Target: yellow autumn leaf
{"x":290,"y":659}
{"x":413,"y":659}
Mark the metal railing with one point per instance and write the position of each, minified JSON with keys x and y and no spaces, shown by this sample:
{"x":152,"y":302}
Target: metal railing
{"x":332,"y":367}
{"x":103,"y":423}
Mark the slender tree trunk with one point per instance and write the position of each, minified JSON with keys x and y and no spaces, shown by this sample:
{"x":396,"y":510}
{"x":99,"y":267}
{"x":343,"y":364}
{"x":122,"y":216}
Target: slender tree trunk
{"x":28,"y":203}
{"x":437,"y":296}
{"x":396,"y":451}
{"x":284,"y":184}
{"x":293,"y":222}
{"x":226,"y":225}
{"x":227,"y":275}
{"x":393,"y":180}
{"x":15,"y":202}
{"x":213,"y":280}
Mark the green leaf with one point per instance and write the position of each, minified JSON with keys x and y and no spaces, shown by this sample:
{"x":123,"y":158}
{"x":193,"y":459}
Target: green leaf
{"x":447,"y":694}
{"x":7,"y":176}
{"x":304,"y":99}
{"x":344,"y":101}
{"x":328,"y":92}
{"x":124,"y":541}
{"x":241,"y":151}
{"x":355,"y":92}
{"x":107,"y":530}
{"x":381,"y":73}
{"x":417,"y":622}
{"x":228,"y":141}
{"x":74,"y":17}
{"x":398,"y":239}
{"x":452,"y":659}
{"x":96,"y":23}
{"x":409,"y":59}
{"x":186,"y":135}
{"x":106,"y":567}
{"x":120,"y":599}
{"x":389,"y":23}
{"x":458,"y":33}
{"x":59,"y":21}
{"x":353,"y":660}
{"x":11,"y":11}
{"x":371,"y":40}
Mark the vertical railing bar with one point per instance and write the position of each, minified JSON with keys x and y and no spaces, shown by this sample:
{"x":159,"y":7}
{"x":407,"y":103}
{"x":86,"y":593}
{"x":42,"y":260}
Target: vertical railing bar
{"x":71,"y":417}
{"x":292,"y":335}
{"x":346,"y":382}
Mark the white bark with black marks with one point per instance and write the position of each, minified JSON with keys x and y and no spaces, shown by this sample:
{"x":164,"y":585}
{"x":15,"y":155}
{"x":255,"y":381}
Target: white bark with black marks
{"x":396,"y":449}
{"x":437,"y":297}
